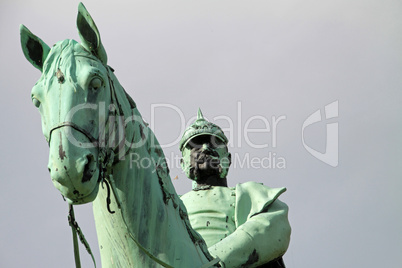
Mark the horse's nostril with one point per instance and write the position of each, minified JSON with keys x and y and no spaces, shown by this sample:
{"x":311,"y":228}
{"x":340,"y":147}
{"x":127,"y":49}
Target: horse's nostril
{"x":88,"y":169}
{"x":49,"y":169}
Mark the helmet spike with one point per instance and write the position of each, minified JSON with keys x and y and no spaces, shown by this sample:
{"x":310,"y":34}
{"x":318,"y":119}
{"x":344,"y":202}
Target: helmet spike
{"x":199,"y":115}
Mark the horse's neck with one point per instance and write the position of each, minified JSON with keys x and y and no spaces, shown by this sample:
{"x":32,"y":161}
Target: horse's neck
{"x":151,"y":213}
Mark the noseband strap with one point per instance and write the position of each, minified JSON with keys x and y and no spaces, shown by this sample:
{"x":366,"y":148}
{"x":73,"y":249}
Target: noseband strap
{"x":76,"y":127}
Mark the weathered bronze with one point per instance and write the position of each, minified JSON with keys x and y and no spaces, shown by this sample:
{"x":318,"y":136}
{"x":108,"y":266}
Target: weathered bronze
{"x":245,"y":226}
{"x":92,"y":126}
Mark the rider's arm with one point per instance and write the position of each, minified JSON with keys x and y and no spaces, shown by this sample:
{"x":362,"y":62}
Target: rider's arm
{"x":262,"y":238}
{"x":262,"y":228}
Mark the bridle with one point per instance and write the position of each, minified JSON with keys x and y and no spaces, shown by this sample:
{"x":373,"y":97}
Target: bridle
{"x":89,"y":136}
{"x":106,"y":159}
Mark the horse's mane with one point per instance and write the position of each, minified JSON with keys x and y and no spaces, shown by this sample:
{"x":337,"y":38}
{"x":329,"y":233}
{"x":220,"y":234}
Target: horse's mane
{"x":155,"y":153}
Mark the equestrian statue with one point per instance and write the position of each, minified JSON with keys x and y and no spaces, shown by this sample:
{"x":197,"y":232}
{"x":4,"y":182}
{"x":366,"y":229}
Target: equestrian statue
{"x":93,"y":127}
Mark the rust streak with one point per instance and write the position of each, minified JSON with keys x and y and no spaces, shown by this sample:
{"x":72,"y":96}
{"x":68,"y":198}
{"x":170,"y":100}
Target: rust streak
{"x":62,"y":153}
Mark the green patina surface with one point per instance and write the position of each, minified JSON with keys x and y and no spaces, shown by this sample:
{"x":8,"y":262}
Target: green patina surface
{"x":92,"y":126}
{"x":202,"y":127}
{"x":245,"y":226}
{"x":241,"y":222}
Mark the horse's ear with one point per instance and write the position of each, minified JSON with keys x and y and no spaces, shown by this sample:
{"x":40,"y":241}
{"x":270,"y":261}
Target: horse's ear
{"x":89,"y":34}
{"x":35,"y":50}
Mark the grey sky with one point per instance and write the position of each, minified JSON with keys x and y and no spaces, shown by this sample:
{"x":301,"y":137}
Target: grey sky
{"x":272,"y":59}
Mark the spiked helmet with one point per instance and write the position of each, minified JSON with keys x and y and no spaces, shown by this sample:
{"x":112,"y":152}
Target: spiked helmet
{"x":201,"y":127}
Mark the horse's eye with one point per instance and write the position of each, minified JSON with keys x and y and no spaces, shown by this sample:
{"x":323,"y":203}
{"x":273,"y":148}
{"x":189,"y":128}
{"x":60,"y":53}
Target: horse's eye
{"x":36,"y":102}
{"x":96,"y":83}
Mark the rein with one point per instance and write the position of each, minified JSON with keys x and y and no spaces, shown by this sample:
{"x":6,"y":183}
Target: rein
{"x":77,"y":230}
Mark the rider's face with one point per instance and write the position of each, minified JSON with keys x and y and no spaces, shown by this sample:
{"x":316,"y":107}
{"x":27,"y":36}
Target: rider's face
{"x":205,"y":156}
{"x":206,"y":152}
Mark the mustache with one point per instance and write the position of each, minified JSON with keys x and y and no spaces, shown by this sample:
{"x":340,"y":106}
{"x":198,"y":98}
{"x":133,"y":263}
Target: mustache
{"x":207,"y":157}
{"x":203,"y":157}
{"x":204,"y":152}
{"x":210,"y":158}
{"x":195,"y":172}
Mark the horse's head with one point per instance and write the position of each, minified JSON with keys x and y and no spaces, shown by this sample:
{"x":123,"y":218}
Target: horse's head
{"x":74,"y":98}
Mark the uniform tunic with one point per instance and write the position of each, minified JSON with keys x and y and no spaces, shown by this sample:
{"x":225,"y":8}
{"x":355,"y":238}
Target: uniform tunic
{"x":244,"y":226}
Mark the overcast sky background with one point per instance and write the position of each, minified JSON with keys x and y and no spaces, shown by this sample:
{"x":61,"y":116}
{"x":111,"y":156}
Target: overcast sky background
{"x":253,"y":58}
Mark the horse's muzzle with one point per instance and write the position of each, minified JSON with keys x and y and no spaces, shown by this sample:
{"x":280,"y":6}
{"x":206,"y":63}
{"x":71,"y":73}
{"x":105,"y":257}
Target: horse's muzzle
{"x":74,"y":170}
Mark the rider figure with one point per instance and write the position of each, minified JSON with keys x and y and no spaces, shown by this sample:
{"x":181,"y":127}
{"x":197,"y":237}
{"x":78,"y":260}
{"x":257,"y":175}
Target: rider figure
{"x":245,"y":225}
